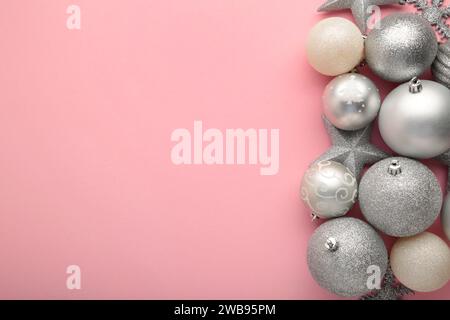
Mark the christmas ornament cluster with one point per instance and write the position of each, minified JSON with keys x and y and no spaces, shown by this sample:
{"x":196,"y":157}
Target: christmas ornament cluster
{"x":398,"y":195}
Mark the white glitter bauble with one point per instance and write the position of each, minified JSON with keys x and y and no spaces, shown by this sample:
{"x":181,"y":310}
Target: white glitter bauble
{"x":446,"y":217}
{"x":414,"y":119}
{"x":329,"y":189}
{"x":403,"y":47}
{"x":422,"y":262}
{"x":340,"y":253}
{"x":335,"y":46}
{"x":351,"y":101}
{"x":400,"y":197}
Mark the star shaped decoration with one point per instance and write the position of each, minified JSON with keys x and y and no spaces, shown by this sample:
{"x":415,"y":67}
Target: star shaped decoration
{"x":445,"y":159}
{"x":391,"y":289}
{"x":351,"y":148}
{"x":360,"y":9}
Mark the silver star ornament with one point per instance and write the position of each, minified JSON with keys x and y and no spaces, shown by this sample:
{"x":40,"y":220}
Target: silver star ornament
{"x":445,"y":159}
{"x":361,"y":9}
{"x":351,"y":148}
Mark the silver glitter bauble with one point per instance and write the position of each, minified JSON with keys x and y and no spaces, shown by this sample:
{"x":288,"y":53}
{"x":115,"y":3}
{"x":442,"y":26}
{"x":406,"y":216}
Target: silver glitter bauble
{"x":329,"y":189}
{"x":441,"y":65}
{"x":351,"y":101}
{"x":414,"y":119}
{"x":446,"y":217}
{"x":400,"y":197}
{"x":403,"y":47}
{"x":340,"y":253}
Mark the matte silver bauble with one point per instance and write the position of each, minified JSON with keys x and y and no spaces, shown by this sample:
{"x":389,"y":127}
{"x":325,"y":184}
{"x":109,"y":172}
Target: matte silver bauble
{"x":414,"y":119}
{"x":329,"y":189}
{"x":446,"y":217}
{"x":340,"y":253}
{"x":400,"y":197}
{"x":403,"y":47}
{"x":351,"y":101}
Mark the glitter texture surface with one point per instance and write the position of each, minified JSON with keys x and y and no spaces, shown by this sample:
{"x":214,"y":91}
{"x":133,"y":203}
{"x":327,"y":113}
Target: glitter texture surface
{"x":344,"y":271}
{"x":445,"y":159}
{"x":434,"y":12}
{"x":403,"y":48}
{"x":391,"y":289}
{"x":400,"y":205}
{"x":351,"y":148}
{"x":360,"y":9}
{"x":334,"y":46}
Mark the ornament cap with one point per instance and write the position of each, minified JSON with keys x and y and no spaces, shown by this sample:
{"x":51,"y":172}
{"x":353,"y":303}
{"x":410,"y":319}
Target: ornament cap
{"x":395,"y":168}
{"x":415,"y":85}
{"x":331,"y":244}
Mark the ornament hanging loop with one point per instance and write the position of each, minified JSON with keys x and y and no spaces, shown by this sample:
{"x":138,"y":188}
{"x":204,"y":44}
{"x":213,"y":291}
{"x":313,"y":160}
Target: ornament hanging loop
{"x":395,"y":168}
{"x":331,"y":244}
{"x":415,"y":85}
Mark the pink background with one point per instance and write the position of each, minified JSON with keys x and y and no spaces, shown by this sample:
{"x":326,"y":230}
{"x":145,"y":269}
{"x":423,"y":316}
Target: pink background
{"x":85,"y":170}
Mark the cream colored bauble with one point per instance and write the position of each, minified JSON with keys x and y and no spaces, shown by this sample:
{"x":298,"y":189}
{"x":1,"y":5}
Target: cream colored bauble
{"x":335,"y":46}
{"x":422,"y":262}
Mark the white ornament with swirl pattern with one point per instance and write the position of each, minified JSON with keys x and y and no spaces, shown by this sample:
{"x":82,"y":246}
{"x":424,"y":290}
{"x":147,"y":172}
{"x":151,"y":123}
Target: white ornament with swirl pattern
{"x":329,"y":189}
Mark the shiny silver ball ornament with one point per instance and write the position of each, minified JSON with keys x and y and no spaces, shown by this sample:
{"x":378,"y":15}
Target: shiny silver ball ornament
{"x":340,"y":253}
{"x":329,"y":189}
{"x":400,"y":197}
{"x":446,"y":217}
{"x":414,"y":119}
{"x":403,"y":47}
{"x":351,"y":101}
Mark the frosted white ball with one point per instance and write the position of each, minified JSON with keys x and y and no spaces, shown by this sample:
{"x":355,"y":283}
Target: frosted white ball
{"x":421,"y":262}
{"x":335,"y":46}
